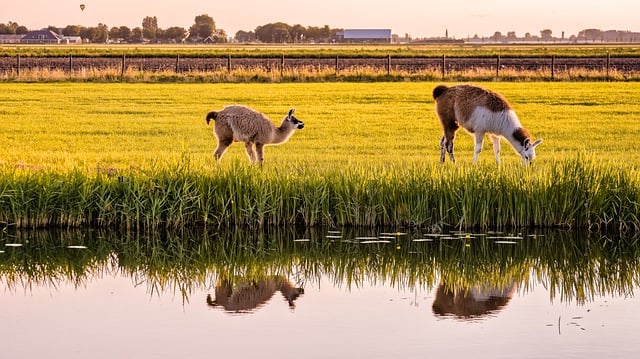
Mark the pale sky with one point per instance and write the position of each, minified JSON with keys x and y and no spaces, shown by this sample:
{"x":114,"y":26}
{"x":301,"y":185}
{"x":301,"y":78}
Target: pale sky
{"x":418,"y":18}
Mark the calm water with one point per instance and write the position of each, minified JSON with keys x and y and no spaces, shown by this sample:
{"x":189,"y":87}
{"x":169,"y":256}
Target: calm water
{"x":321,"y":294}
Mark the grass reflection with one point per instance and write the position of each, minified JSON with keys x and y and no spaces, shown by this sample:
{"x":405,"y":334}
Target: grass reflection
{"x":574,"y":266}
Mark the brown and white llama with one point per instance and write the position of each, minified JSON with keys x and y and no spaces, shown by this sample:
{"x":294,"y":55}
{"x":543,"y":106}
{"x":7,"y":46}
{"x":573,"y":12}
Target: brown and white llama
{"x":245,"y":296}
{"x":243,"y":124}
{"x":480,"y":111}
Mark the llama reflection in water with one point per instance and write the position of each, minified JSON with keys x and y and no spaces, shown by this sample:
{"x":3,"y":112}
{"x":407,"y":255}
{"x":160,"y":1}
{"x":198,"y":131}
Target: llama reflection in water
{"x":247,"y":295}
{"x":471,"y":303}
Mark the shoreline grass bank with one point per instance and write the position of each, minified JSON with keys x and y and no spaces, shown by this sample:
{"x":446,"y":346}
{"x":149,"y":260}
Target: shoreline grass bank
{"x":579,"y":193}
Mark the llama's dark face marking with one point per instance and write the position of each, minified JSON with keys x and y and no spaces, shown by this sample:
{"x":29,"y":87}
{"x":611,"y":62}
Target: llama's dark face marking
{"x":297,"y":124}
{"x":528,"y":152}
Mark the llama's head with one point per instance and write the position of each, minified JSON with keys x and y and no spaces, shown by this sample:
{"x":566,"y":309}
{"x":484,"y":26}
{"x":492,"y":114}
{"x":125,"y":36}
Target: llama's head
{"x":528,"y":152}
{"x":292,"y":121}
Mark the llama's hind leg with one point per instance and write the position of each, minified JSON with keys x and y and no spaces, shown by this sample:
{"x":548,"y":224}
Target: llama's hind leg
{"x":223,"y":143}
{"x":496,"y":147}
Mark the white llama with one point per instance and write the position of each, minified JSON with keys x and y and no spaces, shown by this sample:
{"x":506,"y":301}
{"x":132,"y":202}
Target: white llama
{"x":480,"y":111}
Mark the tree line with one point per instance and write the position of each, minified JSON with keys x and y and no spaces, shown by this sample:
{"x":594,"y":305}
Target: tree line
{"x":203,"y":30}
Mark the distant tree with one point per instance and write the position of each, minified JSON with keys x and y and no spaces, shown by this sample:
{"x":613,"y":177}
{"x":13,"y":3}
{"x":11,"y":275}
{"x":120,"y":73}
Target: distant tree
{"x":497,"y":36}
{"x":55,"y":29}
{"x":71,"y":30}
{"x":219,"y":36}
{"x":174,"y":34}
{"x":150,"y":27}
{"x":590,"y":35}
{"x":297,"y":33}
{"x":9,"y":29}
{"x":319,"y":34}
{"x":511,"y":35}
{"x":546,"y":34}
{"x":4,"y":29}
{"x":244,"y":36}
{"x":21,"y":30}
{"x":278,"y":32}
{"x":203,"y":27}
{"x":136,"y":35}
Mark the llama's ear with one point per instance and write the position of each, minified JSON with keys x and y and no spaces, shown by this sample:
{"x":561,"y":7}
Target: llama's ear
{"x":291,"y":112}
{"x":537,"y":142}
{"x":526,"y":143}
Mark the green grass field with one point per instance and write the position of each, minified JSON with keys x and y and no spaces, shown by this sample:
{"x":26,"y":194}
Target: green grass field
{"x":86,"y":126}
{"x":368,"y":155}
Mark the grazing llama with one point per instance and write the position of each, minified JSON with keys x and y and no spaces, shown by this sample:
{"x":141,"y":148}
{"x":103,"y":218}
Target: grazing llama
{"x":473,"y":302}
{"x":480,"y":111}
{"x":247,"y":296}
{"x":242,"y":124}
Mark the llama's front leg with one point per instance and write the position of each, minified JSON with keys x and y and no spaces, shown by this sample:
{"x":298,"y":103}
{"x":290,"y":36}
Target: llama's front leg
{"x":260,"y":152}
{"x":478,"y":148}
{"x":446,"y":144}
{"x":250,"y":151}
{"x":496,"y":147}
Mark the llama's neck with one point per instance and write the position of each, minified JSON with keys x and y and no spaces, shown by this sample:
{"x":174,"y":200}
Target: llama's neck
{"x":518,"y":137}
{"x":282,"y":133}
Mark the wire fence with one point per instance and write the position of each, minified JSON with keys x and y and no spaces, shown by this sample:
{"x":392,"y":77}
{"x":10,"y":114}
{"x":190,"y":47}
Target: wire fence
{"x":551,"y":67}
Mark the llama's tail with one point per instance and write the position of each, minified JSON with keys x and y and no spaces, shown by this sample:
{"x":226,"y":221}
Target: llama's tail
{"x":438,"y":91}
{"x":212,"y":116}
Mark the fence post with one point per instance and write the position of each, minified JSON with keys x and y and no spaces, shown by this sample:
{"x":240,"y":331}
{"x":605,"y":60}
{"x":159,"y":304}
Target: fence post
{"x":337,"y":68}
{"x":553,"y":66}
{"x":177,"y":63}
{"x":444,"y":65}
{"x":18,"y":65}
{"x":389,"y":65}
{"x":229,"y":63}
{"x":498,"y":66}
{"x":282,"y":66}
{"x":123,"y":65}
{"x":608,"y":64}
{"x":70,"y":64}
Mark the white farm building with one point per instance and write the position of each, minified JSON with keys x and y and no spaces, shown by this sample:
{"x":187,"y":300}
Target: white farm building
{"x":365,"y":35}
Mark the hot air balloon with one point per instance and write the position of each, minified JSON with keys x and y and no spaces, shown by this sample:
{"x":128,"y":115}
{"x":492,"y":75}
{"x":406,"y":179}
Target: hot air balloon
{"x":82,"y":7}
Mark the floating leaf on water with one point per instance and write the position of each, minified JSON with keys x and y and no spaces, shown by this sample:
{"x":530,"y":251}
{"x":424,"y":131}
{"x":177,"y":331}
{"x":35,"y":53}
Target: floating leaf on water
{"x":13,"y":244}
{"x":505,"y":242}
{"x":77,"y":247}
{"x":423,"y":240}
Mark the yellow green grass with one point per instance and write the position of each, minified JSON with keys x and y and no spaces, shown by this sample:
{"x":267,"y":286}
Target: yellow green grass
{"x":343,"y":50}
{"x":140,"y":155}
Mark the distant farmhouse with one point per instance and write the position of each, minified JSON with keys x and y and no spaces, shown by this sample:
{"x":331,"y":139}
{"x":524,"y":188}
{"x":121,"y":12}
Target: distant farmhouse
{"x":49,"y":37}
{"x":365,"y":35}
{"x":40,"y":37}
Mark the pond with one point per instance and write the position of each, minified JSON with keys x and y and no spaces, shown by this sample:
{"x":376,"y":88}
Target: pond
{"x":345,"y":293}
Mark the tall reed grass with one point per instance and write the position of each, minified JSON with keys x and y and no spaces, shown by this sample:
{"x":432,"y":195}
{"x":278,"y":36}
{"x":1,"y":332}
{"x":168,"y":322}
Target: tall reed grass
{"x":310,"y":74}
{"x":579,"y":193}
